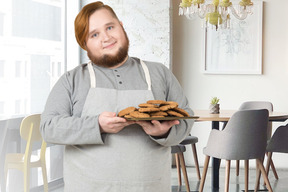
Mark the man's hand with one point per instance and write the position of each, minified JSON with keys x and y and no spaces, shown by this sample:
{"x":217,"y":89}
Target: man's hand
{"x":110,"y":123}
{"x":156,"y":128}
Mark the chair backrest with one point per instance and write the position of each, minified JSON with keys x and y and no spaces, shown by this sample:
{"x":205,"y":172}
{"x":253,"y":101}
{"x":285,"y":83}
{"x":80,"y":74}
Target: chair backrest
{"x":30,"y":131}
{"x":243,"y":138}
{"x":249,"y":128}
{"x":279,"y":141}
{"x":259,"y":105}
{"x":29,"y":128}
{"x":256,"y":105}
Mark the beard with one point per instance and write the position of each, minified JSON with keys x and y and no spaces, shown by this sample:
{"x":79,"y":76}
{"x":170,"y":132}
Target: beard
{"x":110,"y":61}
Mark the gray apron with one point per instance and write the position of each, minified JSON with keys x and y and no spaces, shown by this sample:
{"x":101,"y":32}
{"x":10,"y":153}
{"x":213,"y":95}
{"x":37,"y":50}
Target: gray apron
{"x":129,"y":161}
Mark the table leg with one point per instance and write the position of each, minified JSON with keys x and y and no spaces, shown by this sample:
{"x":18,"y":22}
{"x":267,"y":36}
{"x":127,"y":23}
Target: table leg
{"x":215,"y":164}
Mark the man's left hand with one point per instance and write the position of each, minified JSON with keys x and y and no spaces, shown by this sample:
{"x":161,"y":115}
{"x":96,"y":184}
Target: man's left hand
{"x":157,"y":128}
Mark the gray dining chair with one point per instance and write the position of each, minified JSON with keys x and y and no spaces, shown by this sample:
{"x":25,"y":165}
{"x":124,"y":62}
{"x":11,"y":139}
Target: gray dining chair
{"x":178,"y":151}
{"x":259,"y":105}
{"x":277,"y":143}
{"x":243,"y":138}
{"x":192,"y":140}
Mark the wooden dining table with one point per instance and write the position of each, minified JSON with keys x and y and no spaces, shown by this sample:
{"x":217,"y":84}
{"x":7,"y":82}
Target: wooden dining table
{"x":224,"y":116}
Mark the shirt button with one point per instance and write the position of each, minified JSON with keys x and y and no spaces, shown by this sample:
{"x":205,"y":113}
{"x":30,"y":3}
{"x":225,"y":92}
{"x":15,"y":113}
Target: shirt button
{"x":118,"y":75}
{"x":115,"y":70}
{"x":120,"y":82}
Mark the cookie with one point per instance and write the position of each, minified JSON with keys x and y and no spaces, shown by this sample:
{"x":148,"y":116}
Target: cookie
{"x":182,"y":111}
{"x":156,"y":102}
{"x":126,"y":111}
{"x":147,"y":110}
{"x":128,"y":116}
{"x":173,"y":103}
{"x":137,"y":114}
{"x":167,"y":107}
{"x":174,"y":113}
{"x":159,"y":113}
{"x":147,"y":105}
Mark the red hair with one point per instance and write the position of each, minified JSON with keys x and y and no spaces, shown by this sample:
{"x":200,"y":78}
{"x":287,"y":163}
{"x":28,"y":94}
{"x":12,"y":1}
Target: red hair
{"x":81,"y":22}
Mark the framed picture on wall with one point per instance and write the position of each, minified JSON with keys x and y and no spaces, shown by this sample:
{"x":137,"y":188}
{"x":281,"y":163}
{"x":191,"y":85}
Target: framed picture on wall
{"x":237,"y":50}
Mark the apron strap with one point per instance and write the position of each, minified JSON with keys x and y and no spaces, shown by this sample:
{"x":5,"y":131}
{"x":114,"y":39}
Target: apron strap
{"x":92,"y":75}
{"x":147,"y":75}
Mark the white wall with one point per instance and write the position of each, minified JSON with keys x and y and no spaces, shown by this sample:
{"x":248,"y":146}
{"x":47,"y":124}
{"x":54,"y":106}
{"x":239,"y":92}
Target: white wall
{"x":233,"y":89}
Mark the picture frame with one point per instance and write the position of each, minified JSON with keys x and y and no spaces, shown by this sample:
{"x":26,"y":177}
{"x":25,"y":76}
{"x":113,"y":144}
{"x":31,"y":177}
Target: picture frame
{"x":237,"y":50}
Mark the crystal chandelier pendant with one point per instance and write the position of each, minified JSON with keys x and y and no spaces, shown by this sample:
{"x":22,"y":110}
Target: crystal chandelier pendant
{"x":216,"y":14}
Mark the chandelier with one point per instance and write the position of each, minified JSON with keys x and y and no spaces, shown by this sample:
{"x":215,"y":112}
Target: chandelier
{"x":216,"y":14}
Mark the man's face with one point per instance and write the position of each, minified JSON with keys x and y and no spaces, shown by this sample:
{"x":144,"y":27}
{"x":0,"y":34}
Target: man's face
{"x":107,"y":42}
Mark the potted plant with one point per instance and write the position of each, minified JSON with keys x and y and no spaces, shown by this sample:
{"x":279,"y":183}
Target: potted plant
{"x":214,"y":105}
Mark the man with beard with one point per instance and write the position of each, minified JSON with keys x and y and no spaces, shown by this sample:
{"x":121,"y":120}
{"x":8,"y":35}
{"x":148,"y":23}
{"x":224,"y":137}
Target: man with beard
{"x":103,"y":152}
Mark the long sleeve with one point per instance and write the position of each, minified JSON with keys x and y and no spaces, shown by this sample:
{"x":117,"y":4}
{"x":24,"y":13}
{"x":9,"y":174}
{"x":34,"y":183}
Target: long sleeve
{"x":173,"y":92}
{"x":61,"y":121}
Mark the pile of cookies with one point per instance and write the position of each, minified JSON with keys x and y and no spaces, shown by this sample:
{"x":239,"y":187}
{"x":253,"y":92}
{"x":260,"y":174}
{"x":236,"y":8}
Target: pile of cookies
{"x":154,"y":108}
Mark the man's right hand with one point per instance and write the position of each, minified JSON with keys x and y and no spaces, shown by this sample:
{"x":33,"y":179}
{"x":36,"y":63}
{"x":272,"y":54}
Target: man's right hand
{"x":110,"y":123}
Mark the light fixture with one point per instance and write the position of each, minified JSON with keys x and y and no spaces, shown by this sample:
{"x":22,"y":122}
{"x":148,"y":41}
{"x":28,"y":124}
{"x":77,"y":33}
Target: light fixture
{"x":215,"y":14}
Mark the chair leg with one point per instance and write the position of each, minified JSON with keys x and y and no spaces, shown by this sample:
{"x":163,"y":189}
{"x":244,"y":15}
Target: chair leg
{"x":227,"y":177}
{"x":6,"y":176}
{"x":269,"y":158}
{"x":206,"y":163}
{"x":237,"y":167}
{"x":2,"y":183}
{"x":44,"y":175}
{"x":2,"y":173}
{"x":196,"y":160}
{"x":246,"y":175}
{"x":266,"y":179}
{"x":183,"y":167}
{"x":26,"y":179}
{"x":272,"y":166}
{"x":269,"y":163}
{"x":258,"y":175}
{"x":178,"y":169}
{"x":274,"y":170}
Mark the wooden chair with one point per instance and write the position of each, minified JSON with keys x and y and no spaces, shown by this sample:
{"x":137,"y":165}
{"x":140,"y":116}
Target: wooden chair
{"x":29,"y":131}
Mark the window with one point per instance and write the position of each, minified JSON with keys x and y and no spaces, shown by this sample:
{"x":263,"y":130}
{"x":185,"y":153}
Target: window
{"x":2,"y":62}
{"x":53,"y":69}
{"x":18,"y":67}
{"x":35,"y":38}
{"x":59,"y":71}
{"x":1,"y":107}
{"x":17,"y":106}
{"x":36,"y":31}
{"x":1,"y":23}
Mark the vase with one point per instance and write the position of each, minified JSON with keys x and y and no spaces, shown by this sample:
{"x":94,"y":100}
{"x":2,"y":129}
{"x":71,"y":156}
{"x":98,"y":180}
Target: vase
{"x":214,"y":108}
